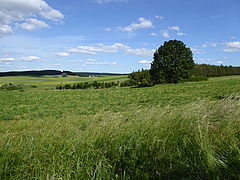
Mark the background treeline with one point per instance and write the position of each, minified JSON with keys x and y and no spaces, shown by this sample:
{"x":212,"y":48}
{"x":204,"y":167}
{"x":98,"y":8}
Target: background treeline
{"x":97,"y":85}
{"x":200,"y":72}
{"x":55,"y":72}
{"x":34,"y":73}
{"x":215,"y":71}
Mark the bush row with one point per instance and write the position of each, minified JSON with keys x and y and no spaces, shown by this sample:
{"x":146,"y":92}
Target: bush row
{"x":97,"y":85}
{"x":10,"y":87}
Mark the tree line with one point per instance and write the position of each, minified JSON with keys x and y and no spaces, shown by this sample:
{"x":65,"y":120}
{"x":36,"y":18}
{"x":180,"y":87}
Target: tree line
{"x":35,"y":73}
{"x":215,"y":71}
{"x":173,"y":63}
{"x":55,"y":72}
{"x":200,"y":72}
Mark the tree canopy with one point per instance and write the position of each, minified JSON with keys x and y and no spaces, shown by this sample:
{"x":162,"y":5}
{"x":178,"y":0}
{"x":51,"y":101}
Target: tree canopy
{"x":172,"y":62}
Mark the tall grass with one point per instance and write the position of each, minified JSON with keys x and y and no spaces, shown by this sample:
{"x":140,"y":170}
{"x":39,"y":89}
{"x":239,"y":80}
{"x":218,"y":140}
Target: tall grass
{"x":174,"y":131}
{"x":199,"y":140}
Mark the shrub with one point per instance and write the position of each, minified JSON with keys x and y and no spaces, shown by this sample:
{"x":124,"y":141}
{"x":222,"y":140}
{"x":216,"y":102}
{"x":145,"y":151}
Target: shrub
{"x":195,"y":79}
{"x":10,"y":87}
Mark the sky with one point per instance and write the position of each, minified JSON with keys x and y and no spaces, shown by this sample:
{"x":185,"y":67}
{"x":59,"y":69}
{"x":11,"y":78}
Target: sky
{"x":114,"y":36}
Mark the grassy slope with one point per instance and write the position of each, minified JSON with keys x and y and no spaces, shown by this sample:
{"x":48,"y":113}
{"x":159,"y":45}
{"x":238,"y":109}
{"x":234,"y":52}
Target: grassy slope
{"x":175,"y":131}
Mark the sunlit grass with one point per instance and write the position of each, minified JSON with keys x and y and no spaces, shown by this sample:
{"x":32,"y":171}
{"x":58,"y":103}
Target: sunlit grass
{"x":172,"y":131}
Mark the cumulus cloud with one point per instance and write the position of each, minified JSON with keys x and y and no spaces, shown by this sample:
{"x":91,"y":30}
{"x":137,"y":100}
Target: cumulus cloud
{"x":143,"y":24}
{"x":32,"y":24}
{"x":99,"y":48}
{"x":7,"y":60}
{"x":115,"y":48}
{"x":140,"y":52}
{"x":181,"y":34}
{"x":174,"y":28}
{"x":12,"y":11}
{"x":197,"y":50}
{"x":232,"y":46}
{"x":30,"y":58}
{"x":102,"y":63}
{"x":154,"y":34}
{"x":214,"y":44}
{"x":145,"y":62}
{"x":62,"y":54}
{"x":165,"y":34}
{"x":218,"y":62}
{"x":107,"y":29}
{"x":5,"y":29}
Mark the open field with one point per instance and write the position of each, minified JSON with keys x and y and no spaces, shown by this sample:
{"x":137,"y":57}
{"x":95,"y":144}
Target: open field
{"x":172,"y":131}
{"x":49,"y":82}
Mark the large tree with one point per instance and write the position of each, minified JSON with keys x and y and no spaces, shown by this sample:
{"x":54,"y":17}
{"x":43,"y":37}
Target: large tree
{"x":172,"y":62}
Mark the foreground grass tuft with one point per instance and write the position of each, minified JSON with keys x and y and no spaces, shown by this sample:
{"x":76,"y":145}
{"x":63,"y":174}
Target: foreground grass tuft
{"x":199,"y":140}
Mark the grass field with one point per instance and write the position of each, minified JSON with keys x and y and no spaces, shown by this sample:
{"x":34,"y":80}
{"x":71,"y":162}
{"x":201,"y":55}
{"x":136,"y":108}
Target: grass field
{"x":171,"y":131}
{"x":49,"y":82}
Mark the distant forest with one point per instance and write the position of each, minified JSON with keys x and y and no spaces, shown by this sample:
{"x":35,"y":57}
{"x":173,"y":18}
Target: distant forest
{"x":198,"y":70}
{"x":53,"y":72}
{"x":215,"y":71}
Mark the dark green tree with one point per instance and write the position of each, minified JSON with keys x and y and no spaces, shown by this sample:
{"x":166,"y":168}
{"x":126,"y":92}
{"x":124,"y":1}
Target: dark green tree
{"x":143,"y":77}
{"x":172,"y":62}
{"x":64,"y":75}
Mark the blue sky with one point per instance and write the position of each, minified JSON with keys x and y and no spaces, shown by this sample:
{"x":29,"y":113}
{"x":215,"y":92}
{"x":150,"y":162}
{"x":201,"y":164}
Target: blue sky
{"x":114,"y":35}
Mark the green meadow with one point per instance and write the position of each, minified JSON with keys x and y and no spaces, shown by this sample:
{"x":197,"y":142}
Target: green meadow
{"x":49,"y":82}
{"x":169,"y":131}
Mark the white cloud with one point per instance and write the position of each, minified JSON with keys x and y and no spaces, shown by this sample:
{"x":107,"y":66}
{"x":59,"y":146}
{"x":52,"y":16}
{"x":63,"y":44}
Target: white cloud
{"x":5,"y":29}
{"x":107,"y":29}
{"x":102,"y":63}
{"x":145,"y":62}
{"x":30,"y":58}
{"x":181,"y":34}
{"x":115,"y":48}
{"x":32,"y":24}
{"x":22,"y":10}
{"x":196,"y":50}
{"x":141,"y":52}
{"x":7,"y":59}
{"x":214,"y":44}
{"x":204,"y":60}
{"x":218,"y":62}
{"x":154,"y":34}
{"x":143,"y":24}
{"x":99,"y":48}
{"x":232,"y":46}
{"x":108,"y":1}
{"x":159,"y":17}
{"x":165,"y":34}
{"x":62,"y":54}
{"x":91,"y":60}
{"x":174,"y":28}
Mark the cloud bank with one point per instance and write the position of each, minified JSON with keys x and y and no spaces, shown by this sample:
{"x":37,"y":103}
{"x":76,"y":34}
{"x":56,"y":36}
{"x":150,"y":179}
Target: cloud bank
{"x":12,"y":12}
{"x":115,"y":48}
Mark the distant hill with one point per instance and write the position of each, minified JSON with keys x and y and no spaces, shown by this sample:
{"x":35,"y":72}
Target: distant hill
{"x":54,"y":72}
{"x":30,"y":73}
